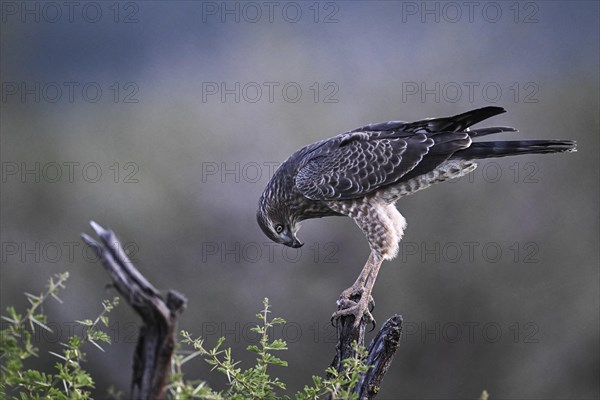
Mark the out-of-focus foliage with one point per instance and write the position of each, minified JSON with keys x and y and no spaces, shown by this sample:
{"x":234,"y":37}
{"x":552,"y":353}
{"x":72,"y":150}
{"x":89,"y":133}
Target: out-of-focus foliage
{"x":69,"y":380}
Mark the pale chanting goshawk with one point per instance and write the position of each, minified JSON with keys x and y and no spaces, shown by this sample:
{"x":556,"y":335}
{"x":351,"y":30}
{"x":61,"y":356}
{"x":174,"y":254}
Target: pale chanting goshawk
{"x":362,"y":173}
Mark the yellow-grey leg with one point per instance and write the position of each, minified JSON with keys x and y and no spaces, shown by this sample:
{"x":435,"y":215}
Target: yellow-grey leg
{"x":361,"y":289}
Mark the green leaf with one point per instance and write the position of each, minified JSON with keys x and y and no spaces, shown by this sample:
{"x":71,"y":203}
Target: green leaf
{"x":278,"y":344}
{"x":253,"y":348}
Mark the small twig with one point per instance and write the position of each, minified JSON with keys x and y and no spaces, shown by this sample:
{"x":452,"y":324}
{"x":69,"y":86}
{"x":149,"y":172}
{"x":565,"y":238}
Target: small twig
{"x":156,"y":342}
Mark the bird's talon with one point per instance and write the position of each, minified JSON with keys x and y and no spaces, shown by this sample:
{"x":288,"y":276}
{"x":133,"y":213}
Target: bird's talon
{"x":353,"y":292}
{"x":344,"y":303}
{"x":360,"y":311}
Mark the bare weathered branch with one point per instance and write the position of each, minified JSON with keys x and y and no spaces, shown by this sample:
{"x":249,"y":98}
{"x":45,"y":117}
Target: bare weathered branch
{"x":347,"y":334}
{"x":156,"y":342}
{"x":380,"y":352}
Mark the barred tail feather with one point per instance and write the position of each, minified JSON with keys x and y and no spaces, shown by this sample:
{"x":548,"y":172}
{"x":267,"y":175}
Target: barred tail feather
{"x":482,"y":150}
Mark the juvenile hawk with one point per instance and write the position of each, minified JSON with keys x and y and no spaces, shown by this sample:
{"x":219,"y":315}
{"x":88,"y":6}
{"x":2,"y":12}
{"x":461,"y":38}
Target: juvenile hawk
{"x":363,"y":172}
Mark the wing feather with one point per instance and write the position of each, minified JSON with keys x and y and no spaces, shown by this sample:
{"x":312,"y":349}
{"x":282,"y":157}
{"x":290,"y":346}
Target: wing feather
{"x":455,"y":123}
{"x":358,"y":164}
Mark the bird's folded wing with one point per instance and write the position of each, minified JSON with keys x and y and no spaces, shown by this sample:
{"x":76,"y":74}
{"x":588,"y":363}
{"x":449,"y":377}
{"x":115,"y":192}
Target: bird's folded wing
{"x":357,"y":164}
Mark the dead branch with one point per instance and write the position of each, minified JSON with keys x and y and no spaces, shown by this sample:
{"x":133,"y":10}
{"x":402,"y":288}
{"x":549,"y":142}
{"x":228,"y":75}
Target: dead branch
{"x":156,"y":342}
{"x":380,"y":352}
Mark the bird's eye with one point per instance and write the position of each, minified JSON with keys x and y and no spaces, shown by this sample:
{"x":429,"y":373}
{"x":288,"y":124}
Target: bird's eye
{"x":278,"y":228}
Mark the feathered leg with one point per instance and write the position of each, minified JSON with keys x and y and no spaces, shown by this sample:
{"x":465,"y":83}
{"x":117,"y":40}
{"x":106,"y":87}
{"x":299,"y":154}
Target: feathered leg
{"x":383,"y":226}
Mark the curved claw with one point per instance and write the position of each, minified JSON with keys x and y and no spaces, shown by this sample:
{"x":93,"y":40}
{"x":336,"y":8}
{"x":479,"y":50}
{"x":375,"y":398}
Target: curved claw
{"x":371,"y":308}
{"x":373,"y":325}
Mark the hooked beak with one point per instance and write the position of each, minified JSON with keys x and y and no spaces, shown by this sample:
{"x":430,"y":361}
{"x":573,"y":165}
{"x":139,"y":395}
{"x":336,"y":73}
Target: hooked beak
{"x":290,"y":239}
{"x":293,"y":242}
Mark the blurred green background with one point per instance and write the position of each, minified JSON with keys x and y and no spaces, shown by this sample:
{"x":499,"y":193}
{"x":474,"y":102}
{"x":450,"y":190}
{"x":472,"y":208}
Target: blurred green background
{"x":164,"y":120}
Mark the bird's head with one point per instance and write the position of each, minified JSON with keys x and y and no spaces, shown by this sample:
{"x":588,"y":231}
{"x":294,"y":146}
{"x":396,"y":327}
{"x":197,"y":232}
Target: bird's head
{"x":276,"y":222}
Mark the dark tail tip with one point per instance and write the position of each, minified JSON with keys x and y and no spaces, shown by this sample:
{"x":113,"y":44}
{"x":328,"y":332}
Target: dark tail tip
{"x":480,"y":150}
